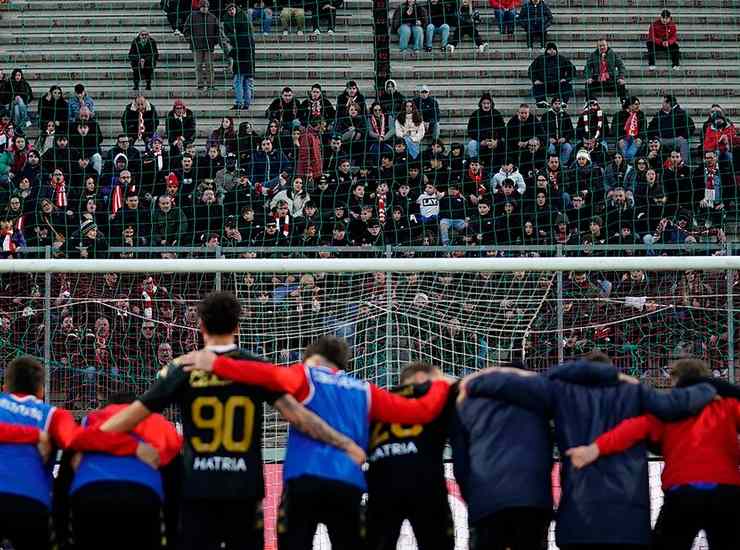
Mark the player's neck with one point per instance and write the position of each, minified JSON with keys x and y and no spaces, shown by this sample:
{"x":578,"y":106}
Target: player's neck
{"x":218,"y":340}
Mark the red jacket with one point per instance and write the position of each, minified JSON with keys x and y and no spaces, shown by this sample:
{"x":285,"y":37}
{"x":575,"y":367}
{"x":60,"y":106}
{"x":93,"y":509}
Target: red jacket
{"x":505,"y":4}
{"x":700,"y":449}
{"x":713,"y":138}
{"x":660,"y":33}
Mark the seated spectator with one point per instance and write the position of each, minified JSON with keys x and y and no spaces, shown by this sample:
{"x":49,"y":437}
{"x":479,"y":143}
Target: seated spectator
{"x":673,"y":126}
{"x":268,"y":167}
{"x":180,"y":124}
{"x":505,"y":12}
{"x":391,"y":99}
{"x":262,"y":11}
{"x":410,"y":128}
{"x":139,"y":120}
{"x":78,"y":100}
{"x":53,"y":107}
{"x":350,"y":95}
{"x":86,"y":138}
{"x":486,"y":124}
{"x":428,"y":106}
{"x":454,"y":213}
{"x":325,"y":10}
{"x":409,"y":21}
{"x":508,"y":172}
{"x":713,"y":184}
{"x":519,"y":130}
{"x":535,"y":18}
{"x":720,"y":136}
{"x":169,"y":224}
{"x":551,"y":74}
{"x":316,"y":106}
{"x":467,"y":25}
{"x":292,"y":16}
{"x":676,"y":180}
{"x":663,"y":36}
{"x":630,"y":127}
{"x":557,"y":130}
{"x":592,"y":124}
{"x":380,"y":131}
{"x":442,"y":14}
{"x":533,"y":159}
{"x":87,"y":242}
{"x":605,"y":72}
{"x":143,"y":56}
{"x":585,"y":179}
{"x":16,"y":94}
{"x":224,"y":137}
{"x":296,"y":197}
{"x":284,"y":108}
{"x":655,"y":153}
{"x":353,"y":129}
{"x":614,"y":173}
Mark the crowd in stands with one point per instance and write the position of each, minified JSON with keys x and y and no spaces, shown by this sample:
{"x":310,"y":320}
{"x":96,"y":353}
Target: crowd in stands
{"x":364,"y":172}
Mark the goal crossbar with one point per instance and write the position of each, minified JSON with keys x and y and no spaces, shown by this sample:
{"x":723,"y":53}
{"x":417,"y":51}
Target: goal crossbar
{"x":358,"y":265}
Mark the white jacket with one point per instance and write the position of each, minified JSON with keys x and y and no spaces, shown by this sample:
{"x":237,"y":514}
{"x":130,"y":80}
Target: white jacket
{"x":410,"y":129}
{"x":499,"y":178}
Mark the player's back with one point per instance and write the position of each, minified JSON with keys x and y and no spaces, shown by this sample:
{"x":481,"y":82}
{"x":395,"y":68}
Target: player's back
{"x":342,"y":402}
{"x":22,"y":471}
{"x":222,"y":428}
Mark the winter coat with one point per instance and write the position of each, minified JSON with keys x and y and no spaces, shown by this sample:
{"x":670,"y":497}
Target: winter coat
{"x":586,"y":400}
{"x":615,"y":65}
{"x":416,"y":133}
{"x":176,"y":127}
{"x":21,"y":88}
{"x":52,"y":110}
{"x":170,"y":226}
{"x":238,"y":31}
{"x":505,"y":4}
{"x":401,"y":18}
{"x":486,"y":125}
{"x":429,"y":108}
{"x":322,"y":108}
{"x":75,"y":105}
{"x":551,"y":68}
{"x":130,"y":121}
{"x":442,"y":13}
{"x":143,"y":49}
{"x":202,"y":31}
{"x":673,"y":124}
{"x":534,"y":18}
{"x":309,"y":162}
{"x":659,"y":33}
{"x":619,"y":121}
{"x":557,"y":125}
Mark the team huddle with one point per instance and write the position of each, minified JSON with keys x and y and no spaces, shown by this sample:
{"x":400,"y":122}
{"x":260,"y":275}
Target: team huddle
{"x":127,"y":479}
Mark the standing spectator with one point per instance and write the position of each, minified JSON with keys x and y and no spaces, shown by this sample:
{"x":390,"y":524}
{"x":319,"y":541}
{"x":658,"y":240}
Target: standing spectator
{"x":605,"y":72}
{"x":672,"y":126}
{"x":557,"y":130}
{"x":467,"y":25}
{"x":202,"y":33}
{"x":629,"y":127}
{"x":238,"y":31}
{"x":19,"y":95}
{"x":505,"y":12}
{"x":410,"y":128}
{"x":177,"y":12}
{"x":79,"y":99}
{"x":143,"y":55}
{"x":293,"y":12}
{"x":486,"y":124}
{"x":410,"y":20}
{"x":428,"y":106}
{"x":663,"y":36}
{"x":180,"y":124}
{"x":139,"y":120}
{"x":326,"y":10}
{"x":262,"y":11}
{"x":551,"y":74}
{"x":719,"y":136}
{"x":53,"y":108}
{"x":442,"y":15}
{"x":535,"y":18}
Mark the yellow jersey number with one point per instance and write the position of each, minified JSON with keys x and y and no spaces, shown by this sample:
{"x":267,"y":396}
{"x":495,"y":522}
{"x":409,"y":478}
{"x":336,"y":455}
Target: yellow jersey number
{"x":381,"y":432}
{"x":209,"y":413}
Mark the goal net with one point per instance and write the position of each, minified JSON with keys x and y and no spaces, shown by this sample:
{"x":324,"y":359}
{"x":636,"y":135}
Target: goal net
{"x":112,"y":330}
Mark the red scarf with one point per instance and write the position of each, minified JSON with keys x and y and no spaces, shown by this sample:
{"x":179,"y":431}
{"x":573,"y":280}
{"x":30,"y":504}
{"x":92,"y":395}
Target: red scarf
{"x":378,"y":127}
{"x":586,"y":122}
{"x":603,"y":69}
{"x":284,"y":223}
{"x":381,"y":209}
{"x":116,"y":201}
{"x":711,"y":172}
{"x":631,"y":127}
{"x":60,"y":193}
{"x":142,"y":126}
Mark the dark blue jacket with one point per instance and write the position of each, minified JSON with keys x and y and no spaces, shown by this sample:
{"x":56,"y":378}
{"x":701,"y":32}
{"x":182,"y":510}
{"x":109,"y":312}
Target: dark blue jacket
{"x":608,"y":502}
{"x":502,"y":457}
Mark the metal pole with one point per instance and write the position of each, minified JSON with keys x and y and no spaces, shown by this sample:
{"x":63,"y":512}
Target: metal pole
{"x":389,"y":336}
{"x":730,"y":326}
{"x":561,"y":342}
{"x":47,"y":330}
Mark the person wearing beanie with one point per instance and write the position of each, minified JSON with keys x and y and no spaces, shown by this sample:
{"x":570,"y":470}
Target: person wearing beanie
{"x":180,"y":124}
{"x":663,"y":36}
{"x":143,"y":56}
{"x":535,"y":18}
{"x":551,"y":74}
{"x":87,"y":242}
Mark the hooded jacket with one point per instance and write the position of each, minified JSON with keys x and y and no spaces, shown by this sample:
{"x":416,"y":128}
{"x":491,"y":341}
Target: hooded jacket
{"x":486,"y":124}
{"x":551,"y":68}
{"x":392,"y":102}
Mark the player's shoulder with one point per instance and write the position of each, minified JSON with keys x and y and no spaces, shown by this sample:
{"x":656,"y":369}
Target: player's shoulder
{"x":171,"y":370}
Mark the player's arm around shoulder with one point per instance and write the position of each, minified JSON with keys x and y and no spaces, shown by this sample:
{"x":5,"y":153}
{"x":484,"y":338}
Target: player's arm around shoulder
{"x":390,"y":407}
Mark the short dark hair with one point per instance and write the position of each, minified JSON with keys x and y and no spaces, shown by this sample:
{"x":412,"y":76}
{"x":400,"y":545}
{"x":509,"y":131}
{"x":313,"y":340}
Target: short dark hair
{"x":596,"y":356}
{"x":332,"y":348}
{"x":79,"y":88}
{"x":219,"y":312}
{"x":665,"y":13}
{"x":412,"y":368}
{"x":24,"y":375}
{"x":690,"y":368}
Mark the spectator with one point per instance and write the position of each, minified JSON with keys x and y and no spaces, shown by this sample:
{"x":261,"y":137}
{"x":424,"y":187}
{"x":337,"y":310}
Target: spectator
{"x":508,"y":172}
{"x":262,"y":11}
{"x":428,"y":106}
{"x":557,"y":130}
{"x":676,"y":180}
{"x":630,"y":127}
{"x":410,"y":128}
{"x":87,"y":242}
{"x":712,"y":183}
{"x":139,"y":120}
{"x":224,"y":137}
{"x":202,"y":32}
{"x":380,"y":130}
{"x":353,"y":129}
{"x":614,"y":173}
{"x":663,"y":36}
{"x":535,"y":18}
{"x":720,"y":136}
{"x":551,"y":74}
{"x":293,"y":13}
{"x":238,"y":31}
{"x":18,"y":94}
{"x":409,"y":21}
{"x":605,"y":72}
{"x":296,"y":198}
{"x":656,"y":155}
{"x":442,"y":15}
{"x":351,"y":94}
{"x":180,"y":124}
{"x":284,"y":108}
{"x":326,"y":10}
{"x":85,"y":137}
{"x":453,"y":213}
{"x":316,"y":106}
{"x":592,"y":124}
{"x":177,"y":12}
{"x":519,"y":130}
{"x":169,"y":223}
{"x":269,"y":167}
{"x":467,"y":25}
{"x":53,"y":107}
{"x":486,"y":125}
{"x":505,"y":12}
{"x":391,"y":99}
{"x":673,"y":126}
{"x":78,"y":100}
{"x":143,"y":55}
